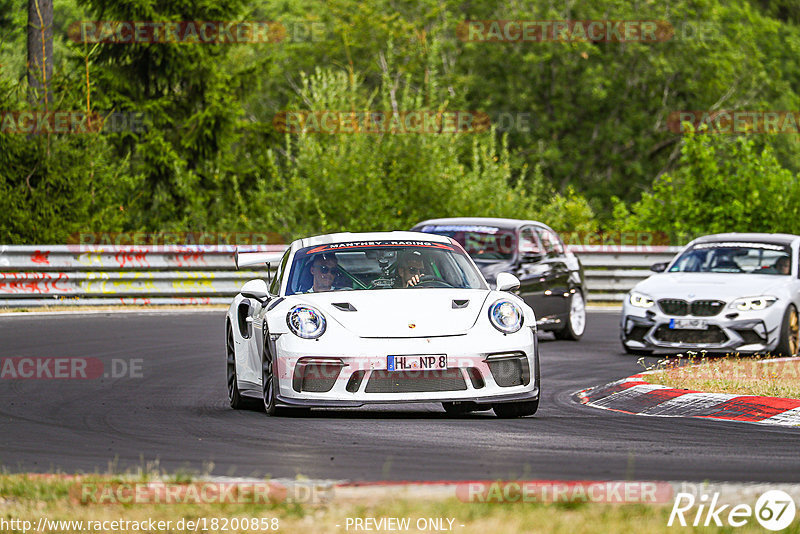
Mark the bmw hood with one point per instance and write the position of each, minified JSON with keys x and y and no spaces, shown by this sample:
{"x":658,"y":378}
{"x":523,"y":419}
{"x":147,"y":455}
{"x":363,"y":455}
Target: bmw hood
{"x":422,"y":312}
{"x":716,"y":286}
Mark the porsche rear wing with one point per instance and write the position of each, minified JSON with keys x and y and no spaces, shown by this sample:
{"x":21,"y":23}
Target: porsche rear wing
{"x":245,"y":259}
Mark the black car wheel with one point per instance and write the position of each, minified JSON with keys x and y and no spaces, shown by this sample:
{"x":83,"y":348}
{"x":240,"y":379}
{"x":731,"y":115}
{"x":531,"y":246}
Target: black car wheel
{"x":235,"y":398}
{"x":575,"y":325}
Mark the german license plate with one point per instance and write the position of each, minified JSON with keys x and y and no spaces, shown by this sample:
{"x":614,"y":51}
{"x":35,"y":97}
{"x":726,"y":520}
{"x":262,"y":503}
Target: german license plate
{"x":416,"y":362}
{"x":688,"y":324}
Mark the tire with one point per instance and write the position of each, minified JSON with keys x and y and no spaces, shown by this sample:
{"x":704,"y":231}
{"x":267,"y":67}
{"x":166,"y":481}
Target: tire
{"x":508,"y":410}
{"x":576,"y":322}
{"x":790,"y":333}
{"x":268,"y":382}
{"x":235,"y":398}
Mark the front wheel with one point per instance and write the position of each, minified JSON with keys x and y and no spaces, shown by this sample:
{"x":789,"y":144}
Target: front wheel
{"x":508,"y":410}
{"x":790,"y":333}
{"x":576,"y":323}
{"x":235,"y":398}
{"x":268,"y":383}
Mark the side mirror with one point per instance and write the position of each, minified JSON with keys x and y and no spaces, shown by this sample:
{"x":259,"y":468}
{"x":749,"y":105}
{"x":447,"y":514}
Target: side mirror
{"x":507,"y":282}
{"x":659,"y":267}
{"x":256,"y":289}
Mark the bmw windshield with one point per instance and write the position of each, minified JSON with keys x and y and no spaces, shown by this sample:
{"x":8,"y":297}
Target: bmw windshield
{"x":735,"y":257}
{"x":369,"y":265}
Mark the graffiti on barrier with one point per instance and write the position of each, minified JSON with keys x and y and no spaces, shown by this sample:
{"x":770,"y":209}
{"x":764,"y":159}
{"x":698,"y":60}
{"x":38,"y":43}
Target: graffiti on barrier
{"x":43,"y":283}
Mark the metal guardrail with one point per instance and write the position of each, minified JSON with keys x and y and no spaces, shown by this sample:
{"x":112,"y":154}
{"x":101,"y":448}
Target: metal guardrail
{"x":50,"y":275}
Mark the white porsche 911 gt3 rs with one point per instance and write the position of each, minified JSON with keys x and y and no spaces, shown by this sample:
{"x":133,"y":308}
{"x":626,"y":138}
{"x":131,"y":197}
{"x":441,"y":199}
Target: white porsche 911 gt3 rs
{"x":391,"y":317}
{"x":723,"y":292}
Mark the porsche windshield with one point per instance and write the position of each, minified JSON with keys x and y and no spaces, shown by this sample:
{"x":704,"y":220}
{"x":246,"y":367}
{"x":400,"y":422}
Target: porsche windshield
{"x":483,"y":243}
{"x":381,"y":265}
{"x":735,"y":257}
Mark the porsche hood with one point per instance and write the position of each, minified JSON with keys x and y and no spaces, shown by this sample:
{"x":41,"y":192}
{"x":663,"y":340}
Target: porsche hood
{"x":401,"y":313}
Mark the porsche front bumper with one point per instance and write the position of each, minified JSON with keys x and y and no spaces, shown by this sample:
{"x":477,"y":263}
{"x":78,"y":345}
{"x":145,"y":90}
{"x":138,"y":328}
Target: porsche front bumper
{"x":484,"y":369}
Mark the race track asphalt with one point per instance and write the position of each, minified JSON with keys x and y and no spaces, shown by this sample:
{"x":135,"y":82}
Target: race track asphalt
{"x":175,"y":416}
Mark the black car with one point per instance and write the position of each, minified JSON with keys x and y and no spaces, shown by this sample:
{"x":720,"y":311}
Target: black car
{"x":551,"y":277}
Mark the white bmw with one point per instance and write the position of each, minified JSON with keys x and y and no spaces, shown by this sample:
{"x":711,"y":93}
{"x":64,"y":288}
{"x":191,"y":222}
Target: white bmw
{"x":392,"y":317}
{"x":722,"y":293}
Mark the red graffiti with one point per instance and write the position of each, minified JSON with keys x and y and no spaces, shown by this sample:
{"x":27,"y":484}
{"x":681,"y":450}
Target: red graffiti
{"x":41,"y":257}
{"x":33,"y":283}
{"x":128,"y":257}
{"x":194,"y":300}
{"x":189,"y":258}
{"x":135,"y":301}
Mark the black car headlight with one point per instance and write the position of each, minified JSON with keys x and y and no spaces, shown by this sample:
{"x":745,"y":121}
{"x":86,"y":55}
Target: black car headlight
{"x":306,"y":322}
{"x":505,"y":316}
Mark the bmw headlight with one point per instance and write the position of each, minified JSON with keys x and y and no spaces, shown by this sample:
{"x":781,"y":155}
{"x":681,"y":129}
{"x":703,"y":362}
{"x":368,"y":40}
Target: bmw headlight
{"x":306,"y":322}
{"x":640,"y":300}
{"x":753,"y":303}
{"x":505,"y":316}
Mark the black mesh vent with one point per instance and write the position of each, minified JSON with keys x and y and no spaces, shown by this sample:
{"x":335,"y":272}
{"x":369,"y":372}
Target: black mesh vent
{"x":638,"y":332}
{"x":509,"y":372}
{"x":355,"y":381}
{"x":678,"y":335}
{"x":416,"y":381}
{"x":315,"y":377}
{"x":475,"y":377}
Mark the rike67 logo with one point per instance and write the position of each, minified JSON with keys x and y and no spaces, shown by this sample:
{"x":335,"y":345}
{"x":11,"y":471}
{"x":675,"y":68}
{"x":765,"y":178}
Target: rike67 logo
{"x":774,"y":510}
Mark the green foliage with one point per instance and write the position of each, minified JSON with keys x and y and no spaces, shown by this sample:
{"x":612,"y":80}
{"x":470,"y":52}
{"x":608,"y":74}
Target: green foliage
{"x":359,"y":182}
{"x":597,"y":152}
{"x":721,"y":185}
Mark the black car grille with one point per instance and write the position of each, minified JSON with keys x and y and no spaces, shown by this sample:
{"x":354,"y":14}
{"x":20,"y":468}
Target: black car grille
{"x":698,"y":308}
{"x":415,"y":381}
{"x":713,"y":334}
{"x":510,"y":371}
{"x":674,"y":306}
{"x":750,"y":337}
{"x":707,"y":308}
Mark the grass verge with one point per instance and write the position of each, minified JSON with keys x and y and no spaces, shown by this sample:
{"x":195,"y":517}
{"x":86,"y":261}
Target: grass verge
{"x":29,"y":498}
{"x":737,"y":375}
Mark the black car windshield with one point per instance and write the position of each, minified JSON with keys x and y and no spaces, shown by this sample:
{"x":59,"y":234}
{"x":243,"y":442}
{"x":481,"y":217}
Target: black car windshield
{"x":365,"y":265}
{"x":483,"y":243}
{"x":735,"y":257}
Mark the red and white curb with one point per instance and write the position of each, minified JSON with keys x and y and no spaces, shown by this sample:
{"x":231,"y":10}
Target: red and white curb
{"x":633,"y":395}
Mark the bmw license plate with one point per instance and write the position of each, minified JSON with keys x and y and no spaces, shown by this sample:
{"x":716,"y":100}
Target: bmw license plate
{"x":416,"y":362}
{"x":688,"y":324}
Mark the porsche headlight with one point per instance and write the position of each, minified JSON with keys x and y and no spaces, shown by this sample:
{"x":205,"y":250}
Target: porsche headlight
{"x":640,"y":300}
{"x":306,"y":322}
{"x":505,"y":316}
{"x":753,"y":303}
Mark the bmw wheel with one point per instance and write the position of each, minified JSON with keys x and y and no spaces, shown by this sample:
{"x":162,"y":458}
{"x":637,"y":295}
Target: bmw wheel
{"x":790,"y":333}
{"x":576,"y":322}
